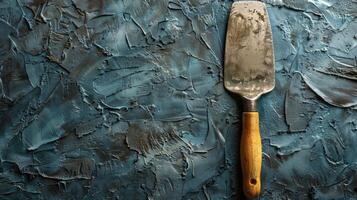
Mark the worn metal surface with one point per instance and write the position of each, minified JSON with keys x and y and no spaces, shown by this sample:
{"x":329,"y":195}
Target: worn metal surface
{"x":114,"y":99}
{"x":249,"y":55}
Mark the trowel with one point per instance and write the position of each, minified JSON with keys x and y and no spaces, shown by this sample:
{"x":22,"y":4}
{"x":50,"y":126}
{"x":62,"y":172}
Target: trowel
{"x":249,"y":71}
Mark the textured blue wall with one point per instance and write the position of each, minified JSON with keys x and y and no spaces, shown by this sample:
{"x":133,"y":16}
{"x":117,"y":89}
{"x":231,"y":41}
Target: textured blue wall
{"x":123,"y":99}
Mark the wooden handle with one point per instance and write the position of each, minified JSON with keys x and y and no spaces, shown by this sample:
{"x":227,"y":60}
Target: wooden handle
{"x":251,"y":154}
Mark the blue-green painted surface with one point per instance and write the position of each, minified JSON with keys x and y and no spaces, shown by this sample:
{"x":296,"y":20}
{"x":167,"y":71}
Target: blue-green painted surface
{"x":123,"y":99}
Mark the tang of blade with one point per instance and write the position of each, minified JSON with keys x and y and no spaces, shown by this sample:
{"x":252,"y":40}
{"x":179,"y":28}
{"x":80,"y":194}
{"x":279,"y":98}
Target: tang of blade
{"x":249,"y":56}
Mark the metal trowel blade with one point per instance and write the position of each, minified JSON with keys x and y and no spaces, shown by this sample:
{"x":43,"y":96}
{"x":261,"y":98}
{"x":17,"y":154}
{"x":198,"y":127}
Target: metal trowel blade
{"x":249,"y":56}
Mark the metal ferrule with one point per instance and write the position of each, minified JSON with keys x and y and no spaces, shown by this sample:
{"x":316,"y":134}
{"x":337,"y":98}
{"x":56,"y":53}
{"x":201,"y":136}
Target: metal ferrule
{"x":249,"y":105}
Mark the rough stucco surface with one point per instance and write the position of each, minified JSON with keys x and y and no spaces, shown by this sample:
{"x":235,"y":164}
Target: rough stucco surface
{"x":122,"y":99}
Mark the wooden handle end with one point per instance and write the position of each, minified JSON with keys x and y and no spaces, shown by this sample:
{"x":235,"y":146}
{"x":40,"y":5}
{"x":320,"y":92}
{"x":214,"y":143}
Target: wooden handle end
{"x":251,"y":154}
